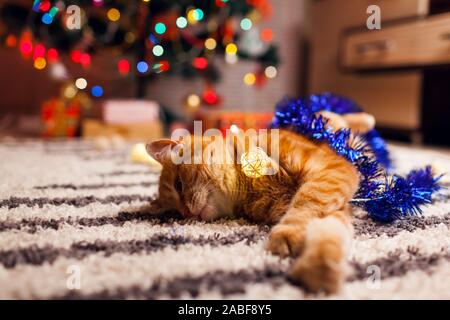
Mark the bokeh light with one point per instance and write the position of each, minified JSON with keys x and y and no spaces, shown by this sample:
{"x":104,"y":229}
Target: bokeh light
{"x":198,"y":14}
{"x":246,"y":24}
{"x":200,"y":63}
{"x":39,"y":51}
{"x":85,"y":59}
{"x":249,"y":79}
{"x":142,"y":66}
{"x":52,"y":55}
{"x":193,"y":101}
{"x":195,"y":15}
{"x":181,"y":22}
{"x":45,"y":6}
{"x":267,"y":35}
{"x":210,"y":44}
{"x":11,"y":41}
{"x":270,"y":72}
{"x":158,"y":50}
{"x":160,"y":28}
{"x":123,"y":66}
{"x":26,"y":47}
{"x":113,"y":14}
{"x":47,"y":18}
{"x":81,"y":83}
{"x":40,"y":63}
{"x":97,"y":91}
{"x":231,"y":48}
{"x":70,"y":91}
{"x":234,"y":129}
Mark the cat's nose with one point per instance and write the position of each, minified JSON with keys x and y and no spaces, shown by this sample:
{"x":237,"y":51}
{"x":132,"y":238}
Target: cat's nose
{"x":186,"y":212}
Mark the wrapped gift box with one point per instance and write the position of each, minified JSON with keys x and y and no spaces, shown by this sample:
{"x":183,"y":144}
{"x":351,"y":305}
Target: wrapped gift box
{"x":124,"y":112}
{"x":131,"y":119}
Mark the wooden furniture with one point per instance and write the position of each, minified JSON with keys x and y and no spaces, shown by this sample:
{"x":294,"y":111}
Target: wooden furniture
{"x":405,"y":43}
{"x":390,"y":72}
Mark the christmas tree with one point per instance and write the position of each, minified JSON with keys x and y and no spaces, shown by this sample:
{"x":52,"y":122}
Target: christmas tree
{"x":149,"y":38}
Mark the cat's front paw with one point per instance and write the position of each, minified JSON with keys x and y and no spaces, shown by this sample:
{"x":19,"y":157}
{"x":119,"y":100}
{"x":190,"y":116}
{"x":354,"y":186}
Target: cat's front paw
{"x":156,"y":207}
{"x":319,"y":270}
{"x":285,"y":240}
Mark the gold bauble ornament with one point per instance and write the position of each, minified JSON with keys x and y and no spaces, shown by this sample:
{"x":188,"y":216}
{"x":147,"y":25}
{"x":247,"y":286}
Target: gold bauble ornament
{"x":255,"y":162}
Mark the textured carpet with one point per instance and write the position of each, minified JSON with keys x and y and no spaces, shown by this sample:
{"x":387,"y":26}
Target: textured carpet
{"x":74,"y":224}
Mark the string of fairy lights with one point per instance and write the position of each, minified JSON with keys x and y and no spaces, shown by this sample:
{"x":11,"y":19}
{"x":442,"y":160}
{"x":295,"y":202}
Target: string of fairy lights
{"x":172,"y":37}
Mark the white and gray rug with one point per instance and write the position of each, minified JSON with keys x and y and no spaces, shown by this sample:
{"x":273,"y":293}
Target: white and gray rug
{"x":74,"y":225}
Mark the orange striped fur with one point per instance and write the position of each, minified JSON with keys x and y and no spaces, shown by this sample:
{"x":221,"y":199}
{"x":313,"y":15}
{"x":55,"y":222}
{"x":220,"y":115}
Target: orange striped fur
{"x":306,"y":202}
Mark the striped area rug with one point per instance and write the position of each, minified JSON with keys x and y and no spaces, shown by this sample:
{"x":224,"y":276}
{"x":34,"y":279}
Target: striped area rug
{"x":74,"y":225}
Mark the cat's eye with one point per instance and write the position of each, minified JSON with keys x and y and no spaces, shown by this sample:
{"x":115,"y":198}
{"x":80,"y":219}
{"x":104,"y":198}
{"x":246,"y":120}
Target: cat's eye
{"x":178,"y":185}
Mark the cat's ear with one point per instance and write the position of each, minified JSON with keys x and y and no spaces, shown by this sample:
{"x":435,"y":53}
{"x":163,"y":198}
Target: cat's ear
{"x":335,"y":121}
{"x":160,"y":149}
{"x":360,"y":122}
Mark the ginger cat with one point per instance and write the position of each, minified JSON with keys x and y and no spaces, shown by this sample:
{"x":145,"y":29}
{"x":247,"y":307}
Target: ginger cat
{"x":306,"y":201}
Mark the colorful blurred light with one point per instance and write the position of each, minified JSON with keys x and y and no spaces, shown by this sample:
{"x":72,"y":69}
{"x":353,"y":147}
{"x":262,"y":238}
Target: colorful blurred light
{"x":52,"y":55}
{"x":200,"y":63}
{"x":75,"y":55}
{"x":36,"y":5}
{"x":26,"y":47}
{"x":81,"y":83}
{"x":113,"y":14}
{"x":153,"y":39}
{"x":249,"y":79}
{"x":195,"y":15}
{"x":39,"y":51}
{"x":11,"y":41}
{"x":221,"y":3}
{"x":270,"y":72}
{"x":97,"y":91}
{"x":234,"y":129}
{"x":40,"y":63}
{"x":193,"y":101}
{"x":161,"y":66}
{"x":85,"y":59}
{"x":58,"y":71}
{"x":45,"y":6}
{"x":47,"y":18}
{"x":231,"y":48}
{"x":181,"y":22}
{"x":246,"y":24}
{"x":142,"y":66}
{"x":70,"y":91}
{"x":165,"y":65}
{"x":160,"y":28}
{"x":267,"y":35}
{"x":53,"y":11}
{"x":210,"y":44}
{"x":97,"y":3}
{"x":158,"y":50}
{"x":124,"y":66}
{"x":210,"y":97}
{"x":198,"y":14}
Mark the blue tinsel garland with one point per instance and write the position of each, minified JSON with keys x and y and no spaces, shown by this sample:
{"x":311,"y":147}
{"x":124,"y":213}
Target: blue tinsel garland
{"x":384,"y":197}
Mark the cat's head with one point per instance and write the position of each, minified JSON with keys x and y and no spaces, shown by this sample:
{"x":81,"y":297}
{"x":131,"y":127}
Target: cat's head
{"x":196,"y":188}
